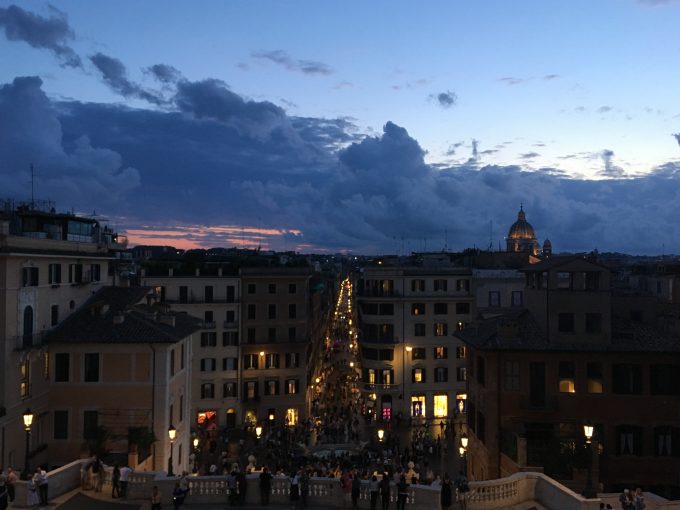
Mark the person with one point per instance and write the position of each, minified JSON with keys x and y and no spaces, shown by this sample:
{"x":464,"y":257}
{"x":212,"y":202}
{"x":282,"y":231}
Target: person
{"x":385,"y":491}
{"x":624,"y":499}
{"x":124,"y":479}
{"x":346,"y":484}
{"x":232,"y":487}
{"x":265,"y":485}
{"x":177,"y":496}
{"x":242,"y":485}
{"x":184,"y":485}
{"x":462,"y":487}
{"x":639,"y":500}
{"x":446,"y":493}
{"x":40,"y":479}
{"x":356,"y":490}
{"x":374,"y":489}
{"x":4,"y":496}
{"x":156,"y":498}
{"x":304,"y":487}
{"x":294,"y":490}
{"x":402,"y":493}
{"x":115,"y":481}
{"x":11,"y":479}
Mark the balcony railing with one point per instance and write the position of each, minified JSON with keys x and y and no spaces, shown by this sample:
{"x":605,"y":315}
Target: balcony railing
{"x":230,"y":324}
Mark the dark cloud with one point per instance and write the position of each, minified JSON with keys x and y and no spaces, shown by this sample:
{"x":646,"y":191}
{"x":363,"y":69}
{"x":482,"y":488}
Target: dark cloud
{"x":52,"y":33}
{"x":677,"y":137}
{"x":529,"y":155}
{"x":445,"y":99}
{"x":115,"y":76}
{"x":282,"y":58}
{"x":610,"y":169}
{"x":551,"y":77}
{"x":164,"y":73}
{"x":604,"y":109}
{"x":510,"y":80}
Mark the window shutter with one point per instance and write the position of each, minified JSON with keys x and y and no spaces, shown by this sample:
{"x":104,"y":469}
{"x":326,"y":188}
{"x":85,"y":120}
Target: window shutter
{"x":413,"y":375}
{"x":297,"y":386}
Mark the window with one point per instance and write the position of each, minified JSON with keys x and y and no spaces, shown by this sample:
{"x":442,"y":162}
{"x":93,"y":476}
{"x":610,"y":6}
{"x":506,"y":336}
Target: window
{"x":208,"y":293}
{"x":251,"y":288}
{"x":25,"y":385}
{"x":271,"y":288}
{"x":481,"y":427}
{"x":251,"y":335}
{"x":567,"y":371}
{"x":271,"y":360}
{"x":441,"y":329}
{"x":441,"y":352}
{"x":229,"y":338}
{"x":252,"y":312}
{"x":292,"y":386}
{"x":481,"y":375}
{"x":565,"y":322}
{"x":183,"y":294}
{"x":494,"y":298}
{"x":664,"y":380}
{"x":419,"y":329}
{"x":386,"y":354}
{"x":441,"y":406}
{"x":461,"y":352}
{"x":271,"y":387}
{"x":208,"y":364}
{"x":564,"y":280}
{"x":462,"y":308}
{"x":418,"y":353}
{"x":91,"y":367}
{"x":593,"y":323}
{"x":29,"y":276}
{"x":231,"y":317}
{"x":292,"y":288}
{"x":229,"y":363}
{"x":441,"y":374}
{"x":271,"y":335}
{"x":628,"y":440}
{"x":369,"y":375}
{"x":62,"y":367}
{"x":208,"y":319}
{"x":250,"y":361}
{"x":667,"y":441}
{"x":517,"y":298}
{"x":387,"y":376}
{"x":441,"y":308}
{"x":592,"y":280}
{"x":418,"y":375}
{"x":627,"y":379}
{"x":385,"y":309}
{"x":95,"y":272}
{"x":54,"y":274}
{"x":292,"y":416}
{"x":463,"y":285}
{"x":172,"y":362}
{"x":440,"y":285}
{"x":181,"y":408}
{"x":231,"y":294}
{"x":292,"y":334}
{"x":417,"y":285}
{"x":250,"y":390}
{"x":60,"y":424}
{"x":271,"y":311}
{"x":418,"y":309}
{"x":594,"y":377}
{"x":208,"y":339}
{"x":229,"y":390}
{"x":90,"y":424}
{"x":292,"y":311}
{"x":75,"y":273}
{"x":292,"y":360}
{"x":461,"y":374}
{"x":54,"y":313}
{"x":511,"y":376}
{"x":207,"y":390}
{"x":417,"y":405}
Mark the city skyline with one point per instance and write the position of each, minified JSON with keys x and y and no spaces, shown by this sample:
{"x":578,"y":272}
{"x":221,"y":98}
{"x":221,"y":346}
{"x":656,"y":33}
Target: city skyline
{"x":315,"y":128}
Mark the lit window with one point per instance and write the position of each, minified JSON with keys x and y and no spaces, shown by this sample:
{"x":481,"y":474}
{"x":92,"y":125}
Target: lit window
{"x":292,"y":416}
{"x":418,"y":405}
{"x":566,"y":376}
{"x":371,"y":376}
{"x":418,"y":375}
{"x":441,"y":329}
{"x":594,"y":374}
{"x":441,"y":406}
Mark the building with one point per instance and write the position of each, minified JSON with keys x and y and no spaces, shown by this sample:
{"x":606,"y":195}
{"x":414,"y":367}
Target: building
{"x":521,"y":236}
{"x":570,"y":358}
{"x":410,"y":362}
{"x":50,"y":265}
{"x":119,"y":379}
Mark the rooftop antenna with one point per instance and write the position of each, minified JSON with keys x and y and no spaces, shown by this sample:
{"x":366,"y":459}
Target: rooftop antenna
{"x":32,"y":183}
{"x":446,"y":240}
{"x":490,"y":235}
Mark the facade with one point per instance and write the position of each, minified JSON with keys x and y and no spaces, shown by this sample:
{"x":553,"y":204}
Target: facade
{"x":573,"y":357}
{"x":411,"y":364}
{"x":214,"y":297}
{"x":50,"y":264}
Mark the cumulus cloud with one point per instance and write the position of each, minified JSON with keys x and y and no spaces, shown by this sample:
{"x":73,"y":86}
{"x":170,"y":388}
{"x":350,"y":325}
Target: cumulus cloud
{"x":164,"y":73}
{"x":445,"y":99}
{"x":115,"y":76}
{"x":280,"y":57}
{"x":52,"y":33}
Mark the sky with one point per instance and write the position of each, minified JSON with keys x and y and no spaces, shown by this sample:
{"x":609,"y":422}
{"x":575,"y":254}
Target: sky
{"x":353,"y":126}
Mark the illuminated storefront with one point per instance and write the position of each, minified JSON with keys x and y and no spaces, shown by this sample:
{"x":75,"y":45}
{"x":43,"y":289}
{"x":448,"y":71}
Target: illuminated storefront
{"x":418,"y":406}
{"x":441,"y":406}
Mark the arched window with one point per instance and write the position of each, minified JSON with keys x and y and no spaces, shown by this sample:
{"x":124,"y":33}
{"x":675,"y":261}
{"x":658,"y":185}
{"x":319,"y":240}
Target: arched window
{"x":28,"y":327}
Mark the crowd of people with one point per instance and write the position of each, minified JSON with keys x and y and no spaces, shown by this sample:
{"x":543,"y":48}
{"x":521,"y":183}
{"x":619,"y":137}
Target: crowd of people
{"x":632,"y":499}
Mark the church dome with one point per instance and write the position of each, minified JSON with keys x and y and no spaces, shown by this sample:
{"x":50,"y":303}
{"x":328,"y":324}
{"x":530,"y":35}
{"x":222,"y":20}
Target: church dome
{"x":521,"y":229}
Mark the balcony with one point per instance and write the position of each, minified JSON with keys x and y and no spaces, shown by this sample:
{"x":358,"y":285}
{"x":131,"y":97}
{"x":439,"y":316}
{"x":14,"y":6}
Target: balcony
{"x":208,"y":324}
{"x":230,"y":324}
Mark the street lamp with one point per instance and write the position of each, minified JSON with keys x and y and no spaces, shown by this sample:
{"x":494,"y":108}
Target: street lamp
{"x":258,"y":431}
{"x":381,"y":434}
{"x":463,"y":452}
{"x":407,"y":348}
{"x":588,"y":492}
{"x":172,"y":433}
{"x":196,"y":440}
{"x":28,"y":421}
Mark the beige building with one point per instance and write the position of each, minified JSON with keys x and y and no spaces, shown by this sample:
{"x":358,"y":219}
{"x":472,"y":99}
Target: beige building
{"x":50,"y":264}
{"x":410,"y":361}
{"x":215,"y":298}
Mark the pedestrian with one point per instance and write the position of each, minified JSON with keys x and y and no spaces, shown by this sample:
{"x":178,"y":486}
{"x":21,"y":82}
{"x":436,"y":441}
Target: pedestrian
{"x":462,"y":488}
{"x":177,"y":496}
{"x":115,"y":482}
{"x":385,"y":491}
{"x":446,"y":493}
{"x":294,"y":490}
{"x":156,"y":498}
{"x":356,"y":490}
{"x":265,"y":485}
{"x":639,"y":500}
{"x":402,"y":493}
{"x":242,"y":486}
{"x":42,"y":485}
{"x":4,"y":495}
{"x":346,"y":485}
{"x":32,"y":498}
{"x":11,"y":479}
{"x":304,"y":487}
{"x":374,"y":489}
{"x":624,"y":499}
{"x":124,"y":479}
{"x":232,"y":487}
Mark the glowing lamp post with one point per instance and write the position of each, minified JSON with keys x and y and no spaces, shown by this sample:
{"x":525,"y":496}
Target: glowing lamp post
{"x":588,"y":492}
{"x":172,"y":434}
{"x":28,"y":421}
{"x":195,"y":443}
{"x":258,"y":431}
{"x":381,"y":435}
{"x":463,"y":452}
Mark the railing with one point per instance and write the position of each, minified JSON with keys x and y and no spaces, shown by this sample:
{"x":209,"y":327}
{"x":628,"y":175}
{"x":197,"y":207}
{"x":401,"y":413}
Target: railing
{"x":230,"y":324}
